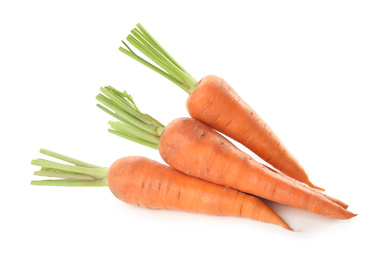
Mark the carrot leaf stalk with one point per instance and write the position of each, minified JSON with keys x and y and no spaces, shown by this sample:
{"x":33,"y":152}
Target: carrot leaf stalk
{"x":72,"y":173}
{"x":133,"y":124}
{"x":165,"y":64}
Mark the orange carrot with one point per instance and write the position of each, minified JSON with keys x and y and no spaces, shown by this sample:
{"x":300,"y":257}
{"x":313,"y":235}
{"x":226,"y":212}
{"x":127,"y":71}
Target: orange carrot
{"x":203,"y":153}
{"x":146,"y":183}
{"x":193,"y":148}
{"x":215,"y":103}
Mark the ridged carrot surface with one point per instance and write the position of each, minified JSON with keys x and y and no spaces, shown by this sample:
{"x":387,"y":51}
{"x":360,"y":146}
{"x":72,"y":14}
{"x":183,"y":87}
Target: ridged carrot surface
{"x":147,"y":183}
{"x":197,"y":150}
{"x":215,"y":103}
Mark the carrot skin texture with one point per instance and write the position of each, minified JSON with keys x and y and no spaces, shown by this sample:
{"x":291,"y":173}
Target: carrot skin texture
{"x":216,"y":104}
{"x":197,"y":150}
{"x":335,"y":200}
{"x":143,"y":182}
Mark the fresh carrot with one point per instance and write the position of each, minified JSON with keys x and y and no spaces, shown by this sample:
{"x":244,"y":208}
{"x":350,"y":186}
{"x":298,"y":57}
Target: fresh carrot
{"x":214,"y":102}
{"x":193,"y":148}
{"x":146,"y":183}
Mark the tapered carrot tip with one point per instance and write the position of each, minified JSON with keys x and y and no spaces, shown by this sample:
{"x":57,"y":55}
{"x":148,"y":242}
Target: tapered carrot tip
{"x":287,"y":227}
{"x":346,"y":214}
{"x":314,"y":186}
{"x":351,"y":215}
{"x":277,"y":220}
{"x":280,"y":222}
{"x":342,"y":204}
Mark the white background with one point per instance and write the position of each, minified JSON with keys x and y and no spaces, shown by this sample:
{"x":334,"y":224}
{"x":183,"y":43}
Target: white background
{"x":319,"y":72}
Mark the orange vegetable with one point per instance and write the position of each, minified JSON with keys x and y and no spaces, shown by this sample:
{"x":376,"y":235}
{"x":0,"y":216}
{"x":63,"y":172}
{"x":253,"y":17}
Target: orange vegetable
{"x":146,"y":183}
{"x":215,"y":103}
{"x":195,"y":149}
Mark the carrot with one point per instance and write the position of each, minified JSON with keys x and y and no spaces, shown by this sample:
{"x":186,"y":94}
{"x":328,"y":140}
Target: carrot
{"x":214,"y":102}
{"x":146,"y":183}
{"x":193,"y":148}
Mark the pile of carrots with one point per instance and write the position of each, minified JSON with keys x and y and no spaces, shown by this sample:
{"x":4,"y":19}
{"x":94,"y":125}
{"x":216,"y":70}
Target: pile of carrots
{"x":206,"y":172}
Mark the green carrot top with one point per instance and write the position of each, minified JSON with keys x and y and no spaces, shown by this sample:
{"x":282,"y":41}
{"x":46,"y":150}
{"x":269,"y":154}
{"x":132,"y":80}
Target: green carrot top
{"x":133,"y":124}
{"x":70,"y":172}
{"x":166,"y":65}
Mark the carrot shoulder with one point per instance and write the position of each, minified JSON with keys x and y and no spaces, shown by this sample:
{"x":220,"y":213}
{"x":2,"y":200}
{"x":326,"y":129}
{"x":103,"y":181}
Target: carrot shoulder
{"x":146,"y":183}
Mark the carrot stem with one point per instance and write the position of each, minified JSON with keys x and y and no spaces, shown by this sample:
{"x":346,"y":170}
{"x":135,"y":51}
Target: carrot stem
{"x":78,"y":173}
{"x":71,"y":182}
{"x":167,"y":66}
{"x":158,"y":46}
{"x":133,"y":55}
{"x":97,"y":173}
{"x":124,"y":116}
{"x":67,"y":158}
{"x":135,"y":135}
{"x":133,"y":124}
{"x":65,"y":175}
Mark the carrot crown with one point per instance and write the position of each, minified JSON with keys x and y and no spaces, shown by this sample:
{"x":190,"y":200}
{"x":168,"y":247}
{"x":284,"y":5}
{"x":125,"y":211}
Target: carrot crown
{"x":76,"y":173}
{"x":133,"y":124}
{"x":166,"y":65}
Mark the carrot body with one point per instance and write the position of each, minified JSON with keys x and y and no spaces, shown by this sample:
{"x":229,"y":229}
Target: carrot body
{"x":140,"y":181}
{"x":216,"y":104}
{"x":197,"y":150}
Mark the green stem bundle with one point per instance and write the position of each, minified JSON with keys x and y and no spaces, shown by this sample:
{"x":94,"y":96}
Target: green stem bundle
{"x":166,"y":65}
{"x":133,"y":124}
{"x":76,"y":173}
